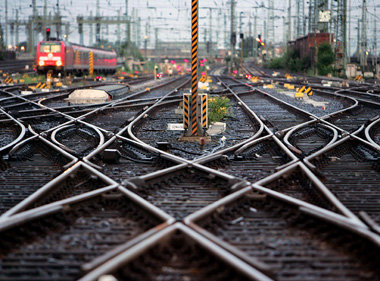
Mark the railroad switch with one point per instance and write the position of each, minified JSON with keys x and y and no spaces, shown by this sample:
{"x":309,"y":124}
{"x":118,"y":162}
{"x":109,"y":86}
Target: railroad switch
{"x":111,"y":156}
{"x":238,"y":158}
{"x":163,"y":145}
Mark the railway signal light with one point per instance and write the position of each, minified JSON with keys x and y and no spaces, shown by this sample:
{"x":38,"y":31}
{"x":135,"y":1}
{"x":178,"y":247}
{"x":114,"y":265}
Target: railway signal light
{"x":47,"y":34}
{"x":259,"y":41}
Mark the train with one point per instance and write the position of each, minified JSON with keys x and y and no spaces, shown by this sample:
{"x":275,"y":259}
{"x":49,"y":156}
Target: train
{"x":64,"y":57}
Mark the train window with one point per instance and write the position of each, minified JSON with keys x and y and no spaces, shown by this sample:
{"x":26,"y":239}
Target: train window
{"x":50,"y":48}
{"x":45,"y":48}
{"x":55,"y":48}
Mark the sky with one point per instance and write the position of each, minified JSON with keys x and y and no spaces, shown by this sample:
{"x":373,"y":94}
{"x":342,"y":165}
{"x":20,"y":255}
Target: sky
{"x":171,"y":18}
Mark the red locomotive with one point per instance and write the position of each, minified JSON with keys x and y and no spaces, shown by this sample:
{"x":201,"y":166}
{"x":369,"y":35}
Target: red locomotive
{"x":60,"y":56}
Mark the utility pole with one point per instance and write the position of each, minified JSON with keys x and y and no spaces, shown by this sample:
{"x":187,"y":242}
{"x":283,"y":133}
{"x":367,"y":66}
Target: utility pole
{"x":300,"y":25}
{"x":349,"y":31}
{"x":97,"y":25}
{"x":265,"y":33}
{"x":344,"y":33}
{"x":133,"y":27}
{"x":210,"y":31}
{"x":310,"y":29}
{"x":12,"y":33}
{"x":205,"y":39}
{"x":128,"y":26}
{"x":91,"y":31}
{"x":44,"y":19}
{"x":250,"y":27}
{"x":289,"y":21}
{"x":138,"y":39}
{"x":270,"y":28}
{"x":375,"y":42}
{"x":80,"y":29}
{"x":225,"y":32}
{"x":6,"y":24}
{"x":218,"y":30}
{"x":1,"y":38}
{"x":146,"y":39}
{"x":232,"y":31}
{"x":118,"y":29}
{"x":241,"y":22}
{"x":58,"y":21}
{"x":17,"y":38}
{"x":67,"y":31}
{"x":32,"y":27}
{"x":241,"y":49}
{"x":156,"y":38}
{"x":363,"y":57}
{"x":358,"y":41}
{"x":284,"y":35}
{"x":255,"y":34}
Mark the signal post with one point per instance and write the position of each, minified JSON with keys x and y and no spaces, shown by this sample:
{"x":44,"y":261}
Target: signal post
{"x":194,"y":105}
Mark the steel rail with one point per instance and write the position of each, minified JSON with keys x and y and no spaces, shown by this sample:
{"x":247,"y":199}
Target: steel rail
{"x":19,"y":137}
{"x":56,"y":131}
{"x":153,"y":240}
{"x":323,"y":214}
{"x":292,"y":131}
{"x":320,"y":186}
{"x":368,"y":132}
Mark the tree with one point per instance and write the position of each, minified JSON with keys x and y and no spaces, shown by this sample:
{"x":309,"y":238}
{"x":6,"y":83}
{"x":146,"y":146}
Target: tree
{"x":130,"y":49}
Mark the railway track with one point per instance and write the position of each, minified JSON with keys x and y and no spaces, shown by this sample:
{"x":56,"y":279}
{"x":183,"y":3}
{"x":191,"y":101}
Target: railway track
{"x":351,"y":170}
{"x":276,"y":115}
{"x":28,"y":167}
{"x":109,"y":220}
{"x":289,"y":193}
{"x":17,"y":66}
{"x":352,"y":119}
{"x":289,"y":243}
{"x":253,"y":162}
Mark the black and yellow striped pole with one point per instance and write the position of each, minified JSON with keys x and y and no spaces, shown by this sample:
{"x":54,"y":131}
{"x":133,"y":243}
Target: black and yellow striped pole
{"x":91,"y":63}
{"x":186,"y":108}
{"x":203,"y":110}
{"x":194,"y":68}
{"x":48,"y":80}
{"x":77,"y":58}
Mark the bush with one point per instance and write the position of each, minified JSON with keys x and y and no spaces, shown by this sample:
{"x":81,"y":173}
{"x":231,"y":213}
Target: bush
{"x":291,"y":61}
{"x":218,"y":108}
{"x":276,"y":63}
{"x":326,"y":58}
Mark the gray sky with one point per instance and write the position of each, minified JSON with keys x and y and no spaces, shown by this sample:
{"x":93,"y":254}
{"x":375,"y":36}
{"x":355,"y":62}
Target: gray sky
{"x":172,"y":17}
